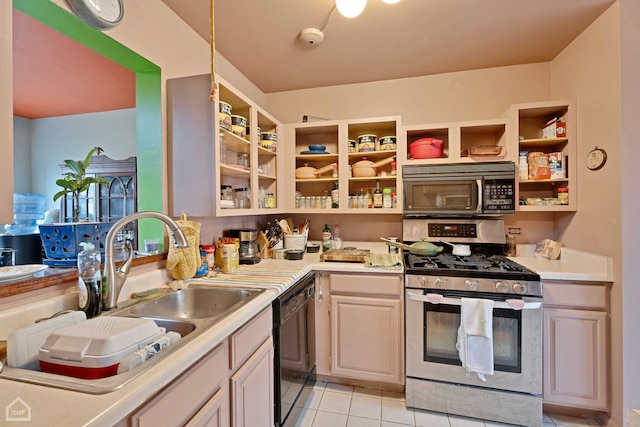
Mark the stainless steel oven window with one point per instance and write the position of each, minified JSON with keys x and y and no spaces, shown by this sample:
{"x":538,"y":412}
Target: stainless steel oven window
{"x":441,"y":323}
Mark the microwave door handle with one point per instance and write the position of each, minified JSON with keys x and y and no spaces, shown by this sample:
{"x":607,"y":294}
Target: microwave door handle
{"x":515,"y":304}
{"x":479,"y":207}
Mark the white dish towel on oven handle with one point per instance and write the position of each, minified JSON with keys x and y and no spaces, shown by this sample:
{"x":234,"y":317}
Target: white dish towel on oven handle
{"x":475,"y":336}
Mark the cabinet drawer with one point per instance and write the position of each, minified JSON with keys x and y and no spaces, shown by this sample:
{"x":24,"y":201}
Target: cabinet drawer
{"x":247,"y":339}
{"x":184,"y":397}
{"x":575,"y":295}
{"x":387,"y":285}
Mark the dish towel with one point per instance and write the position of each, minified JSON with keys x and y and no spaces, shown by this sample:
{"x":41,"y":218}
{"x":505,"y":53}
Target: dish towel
{"x":390,"y":261}
{"x":475,"y":336}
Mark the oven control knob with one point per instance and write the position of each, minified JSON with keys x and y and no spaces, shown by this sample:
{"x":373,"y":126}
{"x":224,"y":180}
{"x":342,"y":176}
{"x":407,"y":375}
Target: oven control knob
{"x":470,"y":285}
{"x":439,"y":283}
{"x":502,"y":287}
{"x":520,"y":288}
{"x":424,"y":282}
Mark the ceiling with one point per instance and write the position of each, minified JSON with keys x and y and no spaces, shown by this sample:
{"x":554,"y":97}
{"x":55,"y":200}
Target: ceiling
{"x":407,"y":39}
{"x":54,"y":75}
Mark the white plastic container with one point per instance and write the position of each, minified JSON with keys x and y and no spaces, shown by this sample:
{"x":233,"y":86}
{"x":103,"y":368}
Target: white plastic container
{"x":94,"y":349}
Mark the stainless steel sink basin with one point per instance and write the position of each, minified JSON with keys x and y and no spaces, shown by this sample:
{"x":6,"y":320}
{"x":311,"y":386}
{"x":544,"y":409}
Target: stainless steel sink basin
{"x":194,"y":303}
{"x":190,"y":312}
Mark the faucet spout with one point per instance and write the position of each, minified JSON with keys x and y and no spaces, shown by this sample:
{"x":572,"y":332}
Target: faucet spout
{"x":113,"y":278}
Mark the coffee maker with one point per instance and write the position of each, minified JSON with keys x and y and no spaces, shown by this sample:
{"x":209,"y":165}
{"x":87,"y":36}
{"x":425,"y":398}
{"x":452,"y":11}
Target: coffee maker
{"x":249,"y":252}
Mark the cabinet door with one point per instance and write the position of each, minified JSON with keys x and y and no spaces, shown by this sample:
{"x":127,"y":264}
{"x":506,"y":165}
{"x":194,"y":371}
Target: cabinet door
{"x":252,"y":390}
{"x":187,"y":395}
{"x":366,"y":338}
{"x":192,"y":183}
{"x":215,"y":413}
{"x":575,"y":358}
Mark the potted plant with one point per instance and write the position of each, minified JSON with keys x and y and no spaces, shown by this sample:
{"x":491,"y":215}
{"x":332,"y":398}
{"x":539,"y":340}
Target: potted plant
{"x":77,"y":182}
{"x":61,"y":241}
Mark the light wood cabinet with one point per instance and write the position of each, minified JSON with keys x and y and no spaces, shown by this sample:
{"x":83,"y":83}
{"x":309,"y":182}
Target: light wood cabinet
{"x":204,"y":156}
{"x":203,"y":385}
{"x":231,"y":385}
{"x":527,"y":136}
{"x":335,"y":136}
{"x":252,"y":390}
{"x":575,"y":357}
{"x":260,"y":177}
{"x":461,"y":141}
{"x":359,"y":327}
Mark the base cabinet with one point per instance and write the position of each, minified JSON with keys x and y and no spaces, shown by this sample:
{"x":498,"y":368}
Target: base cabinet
{"x":230,"y":386}
{"x":359,"y":327}
{"x":575,"y":345}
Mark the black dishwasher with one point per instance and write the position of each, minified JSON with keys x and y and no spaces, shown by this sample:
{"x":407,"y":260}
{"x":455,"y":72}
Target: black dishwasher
{"x":294,"y":345}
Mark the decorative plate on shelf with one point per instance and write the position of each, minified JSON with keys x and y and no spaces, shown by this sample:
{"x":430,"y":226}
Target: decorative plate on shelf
{"x":20,"y":271}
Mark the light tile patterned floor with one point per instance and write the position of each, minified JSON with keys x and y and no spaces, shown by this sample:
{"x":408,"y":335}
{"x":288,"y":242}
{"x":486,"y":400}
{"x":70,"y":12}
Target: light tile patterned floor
{"x":335,"y":405}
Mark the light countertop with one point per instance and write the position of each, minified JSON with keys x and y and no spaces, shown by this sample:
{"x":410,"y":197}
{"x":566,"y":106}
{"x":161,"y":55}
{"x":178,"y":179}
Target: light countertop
{"x":573,"y":265}
{"x":51,"y":406}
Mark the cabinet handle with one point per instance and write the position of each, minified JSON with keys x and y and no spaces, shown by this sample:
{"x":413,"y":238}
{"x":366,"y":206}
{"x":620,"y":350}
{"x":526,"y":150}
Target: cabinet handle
{"x":320,"y":295}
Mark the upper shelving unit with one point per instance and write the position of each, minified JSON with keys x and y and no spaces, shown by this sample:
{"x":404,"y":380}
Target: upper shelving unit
{"x":553,"y":149}
{"x":354,"y":170}
{"x":245,"y":158}
{"x":475,"y":141}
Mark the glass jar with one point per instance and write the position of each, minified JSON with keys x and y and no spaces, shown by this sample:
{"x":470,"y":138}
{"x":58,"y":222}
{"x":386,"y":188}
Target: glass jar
{"x":243,"y":160}
{"x":387,"y":198}
{"x":225,"y":192}
{"x":563,"y":195}
{"x":243,"y":199}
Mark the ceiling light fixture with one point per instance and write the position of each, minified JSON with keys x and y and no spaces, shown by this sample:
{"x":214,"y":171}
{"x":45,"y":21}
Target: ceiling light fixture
{"x":350,"y":8}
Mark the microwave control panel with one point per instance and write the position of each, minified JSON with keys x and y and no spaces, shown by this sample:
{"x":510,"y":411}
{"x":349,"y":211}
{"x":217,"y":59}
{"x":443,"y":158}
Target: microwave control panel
{"x":499,"y":195}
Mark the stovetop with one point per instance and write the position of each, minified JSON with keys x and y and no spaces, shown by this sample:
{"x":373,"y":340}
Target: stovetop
{"x":476,"y":265}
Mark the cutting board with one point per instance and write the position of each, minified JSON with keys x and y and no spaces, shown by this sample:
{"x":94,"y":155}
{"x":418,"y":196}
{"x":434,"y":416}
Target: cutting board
{"x":345,"y":255}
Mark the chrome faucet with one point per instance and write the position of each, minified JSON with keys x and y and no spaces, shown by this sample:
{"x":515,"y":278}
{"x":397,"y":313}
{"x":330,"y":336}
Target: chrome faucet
{"x":113,"y":279}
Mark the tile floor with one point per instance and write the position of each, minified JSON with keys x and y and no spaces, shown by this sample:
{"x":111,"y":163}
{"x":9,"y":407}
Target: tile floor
{"x":335,"y":405}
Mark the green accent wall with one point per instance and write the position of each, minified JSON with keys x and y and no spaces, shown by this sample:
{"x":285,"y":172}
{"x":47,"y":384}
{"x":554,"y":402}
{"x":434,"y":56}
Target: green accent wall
{"x":148,"y":101}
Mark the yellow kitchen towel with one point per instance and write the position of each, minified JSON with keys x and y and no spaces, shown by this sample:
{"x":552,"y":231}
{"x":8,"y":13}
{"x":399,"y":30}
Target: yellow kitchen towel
{"x":391,"y":261}
{"x":183,"y":262}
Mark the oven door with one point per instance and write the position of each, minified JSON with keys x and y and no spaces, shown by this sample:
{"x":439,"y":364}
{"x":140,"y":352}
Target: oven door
{"x":431,"y":335}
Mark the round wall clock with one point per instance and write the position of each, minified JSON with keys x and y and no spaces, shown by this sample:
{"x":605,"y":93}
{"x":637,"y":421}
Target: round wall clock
{"x":100,"y":14}
{"x":596,"y":158}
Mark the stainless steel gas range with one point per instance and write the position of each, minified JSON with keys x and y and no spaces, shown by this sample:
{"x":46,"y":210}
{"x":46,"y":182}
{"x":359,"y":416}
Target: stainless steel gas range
{"x":435,"y":288}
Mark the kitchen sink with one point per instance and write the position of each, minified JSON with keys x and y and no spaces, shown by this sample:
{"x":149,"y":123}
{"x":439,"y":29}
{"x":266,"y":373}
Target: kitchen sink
{"x":194,"y":303}
{"x":189,"y":312}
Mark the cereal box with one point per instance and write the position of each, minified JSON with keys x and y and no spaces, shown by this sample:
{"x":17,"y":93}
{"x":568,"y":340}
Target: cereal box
{"x":539,"y":165}
{"x":557,"y":167}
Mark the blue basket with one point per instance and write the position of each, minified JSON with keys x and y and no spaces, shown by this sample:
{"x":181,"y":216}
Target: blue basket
{"x":62,"y":241}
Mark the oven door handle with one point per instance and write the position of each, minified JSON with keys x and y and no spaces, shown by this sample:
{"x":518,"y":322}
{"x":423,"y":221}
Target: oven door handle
{"x":479,"y":207}
{"x":514,"y":304}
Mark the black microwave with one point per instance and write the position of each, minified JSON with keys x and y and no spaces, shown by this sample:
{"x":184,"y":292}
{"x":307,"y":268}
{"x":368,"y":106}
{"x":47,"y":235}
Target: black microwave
{"x":459,"y":189}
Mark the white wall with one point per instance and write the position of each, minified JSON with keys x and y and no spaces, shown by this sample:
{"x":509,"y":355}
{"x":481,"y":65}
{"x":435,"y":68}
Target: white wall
{"x":589,"y":70}
{"x":71,"y":137}
{"x":22,"y":155}
{"x":467,"y":95}
{"x":630,"y":153}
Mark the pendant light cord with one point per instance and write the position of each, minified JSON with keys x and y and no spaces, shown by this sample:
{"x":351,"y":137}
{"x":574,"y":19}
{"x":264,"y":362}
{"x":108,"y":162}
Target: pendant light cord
{"x":326,"y":20}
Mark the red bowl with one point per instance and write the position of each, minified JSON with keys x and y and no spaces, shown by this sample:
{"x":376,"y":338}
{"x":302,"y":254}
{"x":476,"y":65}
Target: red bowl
{"x":426,"y":148}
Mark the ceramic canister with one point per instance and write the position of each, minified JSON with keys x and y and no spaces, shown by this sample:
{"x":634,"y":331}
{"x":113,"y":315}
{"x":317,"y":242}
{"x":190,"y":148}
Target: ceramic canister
{"x":239,"y":126}
{"x":225,"y":115}
{"x":367,"y":142}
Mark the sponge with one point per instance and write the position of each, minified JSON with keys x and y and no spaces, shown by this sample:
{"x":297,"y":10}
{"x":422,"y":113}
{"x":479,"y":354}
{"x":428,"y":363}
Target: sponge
{"x":149,"y":294}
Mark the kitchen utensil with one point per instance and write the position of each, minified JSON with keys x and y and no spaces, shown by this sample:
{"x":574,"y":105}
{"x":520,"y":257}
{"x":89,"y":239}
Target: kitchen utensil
{"x":459,"y":250}
{"x":309,"y":172}
{"x":426,"y":148}
{"x":367,"y":168}
{"x":422,"y":248}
